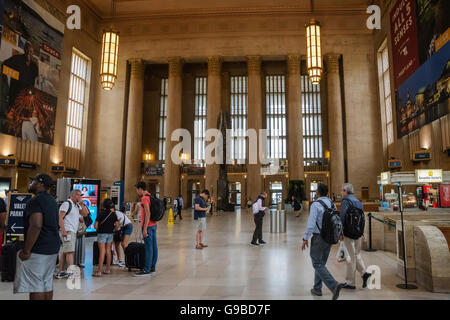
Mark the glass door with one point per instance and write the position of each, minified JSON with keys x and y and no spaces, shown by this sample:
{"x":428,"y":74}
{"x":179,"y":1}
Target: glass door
{"x":276,"y":193}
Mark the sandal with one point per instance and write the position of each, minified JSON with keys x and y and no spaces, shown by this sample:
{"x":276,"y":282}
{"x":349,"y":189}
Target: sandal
{"x":107,"y":272}
{"x":198,"y":247}
{"x":97,"y":274}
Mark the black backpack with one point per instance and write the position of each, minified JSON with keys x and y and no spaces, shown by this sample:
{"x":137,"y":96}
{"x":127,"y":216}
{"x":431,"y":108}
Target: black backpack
{"x":331,"y":224}
{"x":156,"y":208}
{"x":354,"y":222}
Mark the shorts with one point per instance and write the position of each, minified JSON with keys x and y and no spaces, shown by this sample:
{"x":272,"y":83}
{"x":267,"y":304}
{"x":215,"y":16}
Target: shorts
{"x":69,"y":246}
{"x":105,"y":237}
{"x":128,"y":229}
{"x":201,"y":224}
{"x":35,"y":274}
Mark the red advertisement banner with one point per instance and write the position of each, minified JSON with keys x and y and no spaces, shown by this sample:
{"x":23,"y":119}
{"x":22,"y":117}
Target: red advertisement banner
{"x":445,"y":195}
{"x":405,"y":48}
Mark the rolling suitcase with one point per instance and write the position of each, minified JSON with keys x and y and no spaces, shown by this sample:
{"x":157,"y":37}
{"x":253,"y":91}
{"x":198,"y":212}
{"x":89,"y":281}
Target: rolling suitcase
{"x":80,"y":247}
{"x":95,"y":254}
{"x":135,"y":256}
{"x":135,"y":251}
{"x":8,"y":260}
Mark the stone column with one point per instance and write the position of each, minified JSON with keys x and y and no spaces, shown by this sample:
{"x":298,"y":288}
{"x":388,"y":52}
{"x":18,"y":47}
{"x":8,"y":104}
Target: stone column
{"x":335,"y":125}
{"x":174,"y":103}
{"x":213,"y":108}
{"x":133,"y":149}
{"x":295,"y":127}
{"x":254,"y":121}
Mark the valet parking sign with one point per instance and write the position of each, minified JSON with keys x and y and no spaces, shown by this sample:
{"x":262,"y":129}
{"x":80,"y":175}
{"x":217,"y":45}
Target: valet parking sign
{"x":16,"y":210}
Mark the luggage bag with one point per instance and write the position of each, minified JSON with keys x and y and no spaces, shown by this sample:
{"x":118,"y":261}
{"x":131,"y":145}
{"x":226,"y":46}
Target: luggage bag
{"x":8,"y":260}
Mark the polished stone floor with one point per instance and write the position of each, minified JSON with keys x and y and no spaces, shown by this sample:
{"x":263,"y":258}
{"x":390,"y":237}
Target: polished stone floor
{"x":229,"y":268}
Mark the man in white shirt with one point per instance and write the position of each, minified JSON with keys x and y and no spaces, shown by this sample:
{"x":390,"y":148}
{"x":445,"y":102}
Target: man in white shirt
{"x":71,"y":214}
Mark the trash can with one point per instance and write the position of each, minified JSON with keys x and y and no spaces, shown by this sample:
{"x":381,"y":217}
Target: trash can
{"x":277,"y":221}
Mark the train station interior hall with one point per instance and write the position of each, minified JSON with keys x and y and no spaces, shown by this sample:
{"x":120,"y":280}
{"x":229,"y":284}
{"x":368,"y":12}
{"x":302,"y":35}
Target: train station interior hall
{"x":241,"y":98}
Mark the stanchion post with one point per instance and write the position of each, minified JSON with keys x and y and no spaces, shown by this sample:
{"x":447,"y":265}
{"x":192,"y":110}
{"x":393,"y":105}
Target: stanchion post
{"x":400,"y":207}
{"x":370,"y":249}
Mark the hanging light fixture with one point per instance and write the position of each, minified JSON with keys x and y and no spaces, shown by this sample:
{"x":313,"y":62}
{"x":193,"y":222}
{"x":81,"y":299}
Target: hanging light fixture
{"x":314,"y":51}
{"x":110,"y":49}
{"x":110,"y":53}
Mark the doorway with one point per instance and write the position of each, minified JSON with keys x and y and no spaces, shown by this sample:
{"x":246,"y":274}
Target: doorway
{"x":276,"y":192}
{"x":235,"y":193}
{"x":154,"y":188}
{"x":193,"y":190}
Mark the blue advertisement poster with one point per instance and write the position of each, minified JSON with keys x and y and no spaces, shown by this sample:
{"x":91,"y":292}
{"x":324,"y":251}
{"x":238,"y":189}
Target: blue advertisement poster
{"x":89,"y":194}
{"x":424,"y":97}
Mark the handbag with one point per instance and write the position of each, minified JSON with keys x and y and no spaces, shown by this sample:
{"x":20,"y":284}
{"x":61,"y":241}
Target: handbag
{"x":119,"y":234}
{"x":81,"y":230}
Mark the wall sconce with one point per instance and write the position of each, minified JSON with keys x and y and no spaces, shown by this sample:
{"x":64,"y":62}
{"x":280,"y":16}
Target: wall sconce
{"x":148,"y":156}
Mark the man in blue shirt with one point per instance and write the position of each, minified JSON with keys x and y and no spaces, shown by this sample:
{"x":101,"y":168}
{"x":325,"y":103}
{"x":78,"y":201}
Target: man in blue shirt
{"x":200,"y":211}
{"x":320,"y":250}
{"x":353,"y":245}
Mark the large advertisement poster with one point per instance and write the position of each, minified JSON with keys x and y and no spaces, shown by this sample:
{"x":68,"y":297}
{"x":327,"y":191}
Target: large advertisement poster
{"x":424,"y":97}
{"x":422,"y":93}
{"x":404,"y":40}
{"x":433,"y":20}
{"x":30,"y":58}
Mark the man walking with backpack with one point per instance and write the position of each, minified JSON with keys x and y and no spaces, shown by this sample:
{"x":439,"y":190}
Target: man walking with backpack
{"x":325,"y":226}
{"x":148,"y":231}
{"x":352,"y":216}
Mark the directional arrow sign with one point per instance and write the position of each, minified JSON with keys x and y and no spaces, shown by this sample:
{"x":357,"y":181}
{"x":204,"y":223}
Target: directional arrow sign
{"x":14,"y":227}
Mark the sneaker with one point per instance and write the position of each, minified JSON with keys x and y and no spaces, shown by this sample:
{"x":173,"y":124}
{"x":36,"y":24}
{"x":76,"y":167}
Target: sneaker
{"x":336,"y":291}
{"x":261,"y":242}
{"x":142,"y":273}
{"x":61,"y":275}
{"x":254,"y":244}
{"x":152,"y":270}
{"x":122,"y":264}
{"x":347,"y":286}
{"x":365,"y":278}
{"x":316,"y":293}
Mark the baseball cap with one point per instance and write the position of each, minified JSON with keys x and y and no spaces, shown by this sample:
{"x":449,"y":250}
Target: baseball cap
{"x":44,"y":178}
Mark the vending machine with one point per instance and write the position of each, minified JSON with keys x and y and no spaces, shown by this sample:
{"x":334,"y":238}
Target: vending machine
{"x":90,"y":193}
{"x":444,"y":195}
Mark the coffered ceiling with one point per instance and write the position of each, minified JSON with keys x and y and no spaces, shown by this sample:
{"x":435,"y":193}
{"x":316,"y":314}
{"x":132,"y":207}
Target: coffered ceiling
{"x":161,"y":8}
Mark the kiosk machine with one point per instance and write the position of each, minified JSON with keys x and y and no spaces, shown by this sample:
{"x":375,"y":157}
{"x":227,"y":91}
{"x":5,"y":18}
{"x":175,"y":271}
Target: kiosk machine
{"x":117,"y":194}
